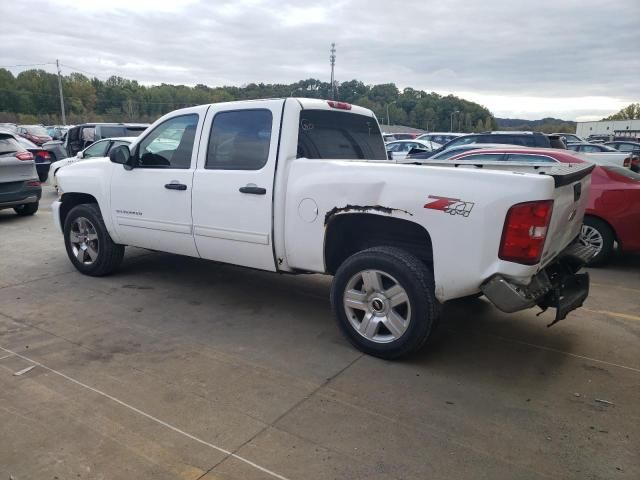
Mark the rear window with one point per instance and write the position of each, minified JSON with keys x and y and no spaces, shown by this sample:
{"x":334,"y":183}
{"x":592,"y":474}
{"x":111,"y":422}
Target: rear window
{"x":8,"y":146}
{"x":339,"y":135}
{"x":108,"y":132}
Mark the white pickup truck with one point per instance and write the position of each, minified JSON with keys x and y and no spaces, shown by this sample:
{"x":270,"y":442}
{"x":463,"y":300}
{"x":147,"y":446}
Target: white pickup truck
{"x":303,"y":185}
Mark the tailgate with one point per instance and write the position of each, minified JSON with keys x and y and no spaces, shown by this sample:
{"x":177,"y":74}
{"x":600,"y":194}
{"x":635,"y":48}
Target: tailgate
{"x":569,"y":204}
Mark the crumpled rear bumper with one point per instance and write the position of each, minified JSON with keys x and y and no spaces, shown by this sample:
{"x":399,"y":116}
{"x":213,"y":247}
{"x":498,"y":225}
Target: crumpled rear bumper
{"x":558,"y":286}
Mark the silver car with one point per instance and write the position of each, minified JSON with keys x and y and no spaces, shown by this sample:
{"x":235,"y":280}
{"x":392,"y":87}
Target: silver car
{"x":19,"y":185}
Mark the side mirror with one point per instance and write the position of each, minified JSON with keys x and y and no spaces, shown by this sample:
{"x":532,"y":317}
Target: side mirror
{"x":122,"y":155}
{"x":80,"y":155}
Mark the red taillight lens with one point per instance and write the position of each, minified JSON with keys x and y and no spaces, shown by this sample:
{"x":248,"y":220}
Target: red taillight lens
{"x":340,"y":105}
{"x":43,"y":154}
{"x":627,"y":162}
{"x":24,"y":156}
{"x":525,"y":230}
{"x":33,"y":183}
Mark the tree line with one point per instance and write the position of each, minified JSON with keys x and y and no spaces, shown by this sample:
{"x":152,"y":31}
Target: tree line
{"x":32,"y":97}
{"x":630,"y":112}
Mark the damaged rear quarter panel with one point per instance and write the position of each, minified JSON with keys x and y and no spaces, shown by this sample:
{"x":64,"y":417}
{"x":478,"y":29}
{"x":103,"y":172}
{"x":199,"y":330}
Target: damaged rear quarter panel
{"x":464,"y":247}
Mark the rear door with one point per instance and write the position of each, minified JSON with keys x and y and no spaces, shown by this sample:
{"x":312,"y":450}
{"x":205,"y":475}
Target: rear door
{"x":233,"y":183}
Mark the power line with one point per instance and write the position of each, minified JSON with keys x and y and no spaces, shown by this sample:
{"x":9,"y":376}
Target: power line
{"x":26,"y":65}
{"x":66,"y":65}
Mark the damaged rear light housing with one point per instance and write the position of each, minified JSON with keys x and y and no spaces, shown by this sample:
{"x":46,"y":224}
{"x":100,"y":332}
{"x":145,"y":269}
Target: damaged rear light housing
{"x":525,"y":231}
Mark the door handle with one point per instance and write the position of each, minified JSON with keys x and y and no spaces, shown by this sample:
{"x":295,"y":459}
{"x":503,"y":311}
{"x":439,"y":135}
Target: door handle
{"x":253,"y":190}
{"x":175,"y":186}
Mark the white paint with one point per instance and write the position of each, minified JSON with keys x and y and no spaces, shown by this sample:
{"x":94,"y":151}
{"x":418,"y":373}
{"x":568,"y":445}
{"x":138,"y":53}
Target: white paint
{"x":147,"y":415}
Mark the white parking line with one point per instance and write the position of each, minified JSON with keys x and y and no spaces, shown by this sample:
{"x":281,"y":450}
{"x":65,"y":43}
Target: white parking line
{"x":147,"y":415}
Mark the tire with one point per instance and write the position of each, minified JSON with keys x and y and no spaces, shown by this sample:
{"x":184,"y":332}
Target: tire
{"x":598,"y":234}
{"x":42,"y":176}
{"x":366,"y":306}
{"x":27,"y":209}
{"x":89,"y":245}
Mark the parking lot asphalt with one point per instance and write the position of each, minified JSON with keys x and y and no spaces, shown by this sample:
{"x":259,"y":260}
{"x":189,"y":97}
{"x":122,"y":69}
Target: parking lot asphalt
{"x":176,"y":368}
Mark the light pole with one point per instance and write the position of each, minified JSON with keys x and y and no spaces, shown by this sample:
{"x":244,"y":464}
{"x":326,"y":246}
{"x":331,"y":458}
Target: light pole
{"x":388,"y":112}
{"x":452,"y":114}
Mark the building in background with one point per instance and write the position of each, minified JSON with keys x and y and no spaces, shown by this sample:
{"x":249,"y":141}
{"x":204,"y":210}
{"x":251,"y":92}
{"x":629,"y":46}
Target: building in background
{"x":617,"y":128}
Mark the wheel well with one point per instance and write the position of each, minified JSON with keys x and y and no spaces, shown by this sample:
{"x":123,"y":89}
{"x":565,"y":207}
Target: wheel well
{"x":73,"y":199}
{"x":347,"y":234}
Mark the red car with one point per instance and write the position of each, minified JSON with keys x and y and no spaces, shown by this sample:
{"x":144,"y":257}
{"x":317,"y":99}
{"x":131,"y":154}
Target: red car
{"x":613,"y":211}
{"x":35,"y":133}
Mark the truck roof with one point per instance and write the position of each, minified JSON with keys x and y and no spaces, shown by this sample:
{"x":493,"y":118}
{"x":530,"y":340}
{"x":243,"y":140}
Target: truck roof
{"x":305,"y":103}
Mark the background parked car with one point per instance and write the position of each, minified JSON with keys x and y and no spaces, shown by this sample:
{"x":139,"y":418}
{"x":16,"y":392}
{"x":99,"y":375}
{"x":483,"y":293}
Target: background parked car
{"x":101,"y":148}
{"x":36,"y":133}
{"x":19,"y":185}
{"x":439,"y":137}
{"x":56,"y":132}
{"x":613,"y":212}
{"x":453,"y":151}
{"x":625,"y":146}
{"x":399,"y":149}
{"x":600,"y":153}
{"x":80,"y":137}
{"x":570,"y":138}
{"x":41,"y":157}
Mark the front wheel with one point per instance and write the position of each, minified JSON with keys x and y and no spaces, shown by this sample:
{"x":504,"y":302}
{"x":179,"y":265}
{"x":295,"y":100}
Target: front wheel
{"x":88,"y":243}
{"x":384,"y":301}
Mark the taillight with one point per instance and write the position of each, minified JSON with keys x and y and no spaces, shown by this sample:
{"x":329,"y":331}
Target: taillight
{"x":627,"y":162}
{"x":33,"y":183}
{"x":24,"y":156}
{"x":43,"y":154}
{"x":524,"y":232}
{"x":340,"y":105}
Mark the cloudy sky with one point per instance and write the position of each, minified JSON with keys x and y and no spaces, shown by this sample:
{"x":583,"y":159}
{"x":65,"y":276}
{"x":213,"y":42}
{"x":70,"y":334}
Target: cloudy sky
{"x":573,"y":59}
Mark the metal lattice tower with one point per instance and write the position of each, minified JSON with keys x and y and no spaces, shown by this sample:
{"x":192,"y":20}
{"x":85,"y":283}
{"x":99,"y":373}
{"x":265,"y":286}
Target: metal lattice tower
{"x":332,"y":58}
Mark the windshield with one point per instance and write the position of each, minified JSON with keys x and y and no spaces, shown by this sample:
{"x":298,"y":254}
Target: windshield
{"x":39,"y":131}
{"x":339,"y":135}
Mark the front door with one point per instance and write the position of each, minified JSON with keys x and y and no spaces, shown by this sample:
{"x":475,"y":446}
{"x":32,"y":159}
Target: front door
{"x":233,"y":184}
{"x":151,"y":204}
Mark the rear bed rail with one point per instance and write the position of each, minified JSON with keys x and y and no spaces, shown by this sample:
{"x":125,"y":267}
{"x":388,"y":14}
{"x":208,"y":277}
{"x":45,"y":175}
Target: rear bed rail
{"x":562,"y":173}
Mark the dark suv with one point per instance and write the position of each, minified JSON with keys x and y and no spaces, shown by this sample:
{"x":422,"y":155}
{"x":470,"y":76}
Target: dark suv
{"x":524,"y":139}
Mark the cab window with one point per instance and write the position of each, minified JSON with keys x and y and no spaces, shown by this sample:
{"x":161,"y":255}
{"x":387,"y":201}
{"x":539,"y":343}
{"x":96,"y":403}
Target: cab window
{"x":170,"y":144}
{"x":239,"y":140}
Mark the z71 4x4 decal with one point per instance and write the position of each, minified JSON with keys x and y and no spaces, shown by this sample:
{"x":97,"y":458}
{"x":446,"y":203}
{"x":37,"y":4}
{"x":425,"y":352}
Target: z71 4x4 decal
{"x":452,"y":206}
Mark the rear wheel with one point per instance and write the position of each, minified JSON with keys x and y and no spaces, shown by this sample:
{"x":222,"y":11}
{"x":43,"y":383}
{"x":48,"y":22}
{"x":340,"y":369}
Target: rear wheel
{"x":597,"y":234}
{"x":27,"y":209}
{"x":88,"y":243}
{"x":383,"y":299}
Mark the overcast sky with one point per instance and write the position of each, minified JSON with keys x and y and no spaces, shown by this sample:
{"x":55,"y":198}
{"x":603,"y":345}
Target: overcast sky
{"x":572,"y":59}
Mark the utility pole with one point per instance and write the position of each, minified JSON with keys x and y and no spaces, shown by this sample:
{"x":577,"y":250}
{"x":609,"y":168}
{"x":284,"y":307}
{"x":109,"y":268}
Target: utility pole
{"x":332,"y":58}
{"x":64,"y":117}
{"x":452,"y":114}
